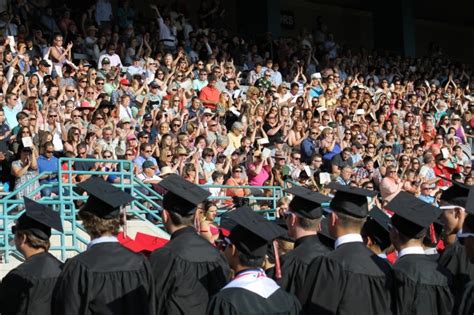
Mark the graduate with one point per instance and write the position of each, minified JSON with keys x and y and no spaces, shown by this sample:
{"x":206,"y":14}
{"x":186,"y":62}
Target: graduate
{"x":351,"y":279}
{"x":422,"y":285}
{"x":251,"y":291}
{"x":303,"y":222}
{"x":466,"y":306}
{"x":188,"y":269}
{"x":28,"y":289}
{"x":453,"y":202}
{"x":375,"y":232}
{"x":107,"y":278}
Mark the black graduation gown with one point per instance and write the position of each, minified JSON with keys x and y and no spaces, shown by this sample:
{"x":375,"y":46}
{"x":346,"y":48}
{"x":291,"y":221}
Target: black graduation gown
{"x":466,"y":307}
{"x":454,"y":259}
{"x":28,"y":288}
{"x":422,"y":286}
{"x":106,"y":279}
{"x":188,"y":270}
{"x":295,"y":263}
{"x":241,"y":301}
{"x":349,"y":280}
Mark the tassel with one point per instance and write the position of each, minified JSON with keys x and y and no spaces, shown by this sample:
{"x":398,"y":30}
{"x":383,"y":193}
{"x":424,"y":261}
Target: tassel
{"x":277,"y":260}
{"x":433,"y":234}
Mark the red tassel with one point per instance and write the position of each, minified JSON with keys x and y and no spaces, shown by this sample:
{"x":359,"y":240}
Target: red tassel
{"x":433,"y":234}
{"x":277,"y":260}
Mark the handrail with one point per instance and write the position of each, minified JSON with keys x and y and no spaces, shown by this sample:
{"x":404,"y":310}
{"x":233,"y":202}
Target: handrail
{"x":146,"y":205}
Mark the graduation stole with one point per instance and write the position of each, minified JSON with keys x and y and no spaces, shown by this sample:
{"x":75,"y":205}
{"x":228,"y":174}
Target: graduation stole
{"x":254,"y":280}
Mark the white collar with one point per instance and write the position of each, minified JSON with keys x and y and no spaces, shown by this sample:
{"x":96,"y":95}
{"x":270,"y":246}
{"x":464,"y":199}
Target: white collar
{"x":348,"y":238}
{"x":431,"y":251}
{"x":382,"y":255}
{"x":102,"y":239}
{"x":255,"y":281}
{"x":417,"y":250}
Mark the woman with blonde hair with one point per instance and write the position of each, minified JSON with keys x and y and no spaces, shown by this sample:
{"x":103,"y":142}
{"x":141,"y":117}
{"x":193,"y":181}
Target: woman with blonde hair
{"x":225,"y":102}
{"x":297,"y":134}
{"x":207,"y":227}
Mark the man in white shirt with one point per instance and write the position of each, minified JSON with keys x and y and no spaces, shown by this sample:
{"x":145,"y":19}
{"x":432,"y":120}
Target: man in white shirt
{"x":112,"y":56}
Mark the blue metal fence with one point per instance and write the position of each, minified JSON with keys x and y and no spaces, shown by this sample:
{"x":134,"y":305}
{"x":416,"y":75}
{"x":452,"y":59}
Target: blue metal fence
{"x":144,"y":207}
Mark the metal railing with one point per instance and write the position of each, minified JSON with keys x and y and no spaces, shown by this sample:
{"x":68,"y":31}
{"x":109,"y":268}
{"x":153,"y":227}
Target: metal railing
{"x":145,"y":207}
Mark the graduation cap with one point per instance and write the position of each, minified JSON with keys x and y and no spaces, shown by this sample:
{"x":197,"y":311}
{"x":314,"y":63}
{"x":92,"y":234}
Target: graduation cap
{"x":460,"y":195}
{"x":104,"y":199}
{"x":182,"y":196}
{"x":252,"y":233}
{"x":306,"y":203}
{"x":376,"y":227}
{"x":412,"y":216}
{"x":38,"y":219}
{"x":351,"y":200}
{"x":324,"y":235}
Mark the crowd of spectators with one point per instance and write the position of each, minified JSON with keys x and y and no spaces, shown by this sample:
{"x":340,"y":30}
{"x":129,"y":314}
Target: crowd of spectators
{"x":175,"y":96}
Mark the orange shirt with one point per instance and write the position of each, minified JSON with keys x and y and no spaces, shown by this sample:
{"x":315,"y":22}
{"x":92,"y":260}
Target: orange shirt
{"x":209,"y":94}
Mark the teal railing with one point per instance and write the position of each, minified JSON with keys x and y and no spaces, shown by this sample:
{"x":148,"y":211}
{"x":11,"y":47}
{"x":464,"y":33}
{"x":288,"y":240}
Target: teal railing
{"x":144,"y":207}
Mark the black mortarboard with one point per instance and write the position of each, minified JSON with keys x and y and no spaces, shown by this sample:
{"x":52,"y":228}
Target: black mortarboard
{"x":376,"y":227}
{"x":281,"y":222}
{"x":412,"y":216}
{"x":39,"y":219}
{"x":182,"y":196}
{"x":458,"y":195}
{"x":324,"y":235}
{"x":104,"y":199}
{"x":351,"y":200}
{"x":306,"y":203}
{"x":252,"y":233}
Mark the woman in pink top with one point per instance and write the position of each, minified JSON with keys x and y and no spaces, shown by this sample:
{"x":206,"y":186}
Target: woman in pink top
{"x":391,"y":184}
{"x":259,"y":171}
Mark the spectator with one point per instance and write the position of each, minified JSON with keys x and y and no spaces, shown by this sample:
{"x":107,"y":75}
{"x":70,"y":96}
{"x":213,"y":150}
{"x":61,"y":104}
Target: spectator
{"x":209,"y":95}
{"x":24,"y":170}
{"x":259,"y":170}
{"x":236,"y":180}
{"x":145,"y":155}
{"x":341,"y":160}
{"x":148,"y":173}
{"x":309,"y":145}
{"x":47,"y":162}
{"x":345,"y":177}
{"x":391,"y":184}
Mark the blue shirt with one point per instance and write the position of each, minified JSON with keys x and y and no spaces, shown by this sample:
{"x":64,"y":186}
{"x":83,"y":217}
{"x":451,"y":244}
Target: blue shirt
{"x":140,"y":160}
{"x":51,"y":165}
{"x":307,"y":149}
{"x":428,"y":199}
{"x":316,"y":91}
{"x":10,"y":116}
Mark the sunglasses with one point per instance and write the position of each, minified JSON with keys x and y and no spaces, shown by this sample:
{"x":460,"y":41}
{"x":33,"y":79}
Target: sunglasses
{"x":107,"y":156}
{"x":238,"y":171}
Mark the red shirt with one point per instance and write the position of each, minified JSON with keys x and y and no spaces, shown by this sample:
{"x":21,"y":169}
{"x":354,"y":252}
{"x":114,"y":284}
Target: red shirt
{"x":445,"y":172}
{"x":209,"y":94}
